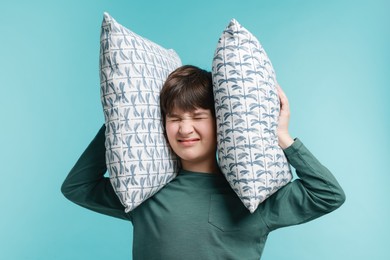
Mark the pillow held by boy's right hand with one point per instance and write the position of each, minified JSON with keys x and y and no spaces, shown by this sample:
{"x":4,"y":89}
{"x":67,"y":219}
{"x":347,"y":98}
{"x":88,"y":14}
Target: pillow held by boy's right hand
{"x":132,"y":72}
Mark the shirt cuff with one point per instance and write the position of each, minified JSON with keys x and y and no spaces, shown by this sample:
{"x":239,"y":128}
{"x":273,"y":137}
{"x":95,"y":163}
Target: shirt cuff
{"x":293,"y":148}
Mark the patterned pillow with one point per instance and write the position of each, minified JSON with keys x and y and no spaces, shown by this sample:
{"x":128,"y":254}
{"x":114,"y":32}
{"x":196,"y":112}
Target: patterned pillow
{"x":132,"y":72}
{"x":247,"y":109}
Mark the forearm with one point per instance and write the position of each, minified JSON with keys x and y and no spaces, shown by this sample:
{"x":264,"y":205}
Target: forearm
{"x":89,"y":168}
{"x":318,"y":181}
{"x":86,"y":185}
{"x":315,"y":193}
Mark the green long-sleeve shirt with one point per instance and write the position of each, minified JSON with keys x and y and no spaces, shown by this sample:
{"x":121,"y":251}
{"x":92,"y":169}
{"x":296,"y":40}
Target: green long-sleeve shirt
{"x":198,"y":215}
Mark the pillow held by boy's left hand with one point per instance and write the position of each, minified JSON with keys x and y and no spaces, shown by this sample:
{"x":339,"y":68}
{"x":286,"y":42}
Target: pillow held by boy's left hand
{"x":247,"y":110}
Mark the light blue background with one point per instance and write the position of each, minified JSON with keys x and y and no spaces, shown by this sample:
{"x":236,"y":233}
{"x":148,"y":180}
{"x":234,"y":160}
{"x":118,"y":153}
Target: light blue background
{"x":331,"y":57}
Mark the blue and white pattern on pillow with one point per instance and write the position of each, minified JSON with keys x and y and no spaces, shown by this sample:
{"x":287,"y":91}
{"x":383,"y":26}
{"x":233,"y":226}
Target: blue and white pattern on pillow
{"x":132,"y":72}
{"x":247,"y":109}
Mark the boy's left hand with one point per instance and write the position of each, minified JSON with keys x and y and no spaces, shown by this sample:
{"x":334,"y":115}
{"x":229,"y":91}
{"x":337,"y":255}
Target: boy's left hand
{"x":284,"y":137}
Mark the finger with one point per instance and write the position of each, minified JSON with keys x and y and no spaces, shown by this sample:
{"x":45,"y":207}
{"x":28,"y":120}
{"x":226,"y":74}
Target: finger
{"x":280,"y":91}
{"x":284,"y":105}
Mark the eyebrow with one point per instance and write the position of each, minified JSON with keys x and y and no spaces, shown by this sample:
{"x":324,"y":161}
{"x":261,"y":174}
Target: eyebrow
{"x":202,"y":113}
{"x":172,"y":114}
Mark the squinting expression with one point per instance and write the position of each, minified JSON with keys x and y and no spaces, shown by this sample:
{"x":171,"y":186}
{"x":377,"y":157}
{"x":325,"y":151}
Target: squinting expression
{"x":192,"y":136}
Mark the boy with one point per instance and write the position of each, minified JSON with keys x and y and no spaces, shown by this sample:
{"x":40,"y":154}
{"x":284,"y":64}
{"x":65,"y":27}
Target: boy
{"x":197,"y":215}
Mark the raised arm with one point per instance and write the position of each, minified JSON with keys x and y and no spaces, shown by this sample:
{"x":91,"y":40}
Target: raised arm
{"x":316,"y":192}
{"x":86,"y":185}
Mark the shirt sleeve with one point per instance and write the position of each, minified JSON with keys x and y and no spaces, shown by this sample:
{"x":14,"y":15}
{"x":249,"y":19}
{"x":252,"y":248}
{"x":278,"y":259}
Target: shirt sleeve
{"x":315,"y":193}
{"x":86,"y":185}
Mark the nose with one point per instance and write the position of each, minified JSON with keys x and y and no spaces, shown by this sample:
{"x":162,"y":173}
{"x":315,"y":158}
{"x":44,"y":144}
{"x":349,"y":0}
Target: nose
{"x":186,"y":127}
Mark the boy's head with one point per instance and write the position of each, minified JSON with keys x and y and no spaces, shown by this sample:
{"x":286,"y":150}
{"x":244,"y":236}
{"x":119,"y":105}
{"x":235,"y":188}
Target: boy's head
{"x":187,"y":88}
{"x":188,"y":115}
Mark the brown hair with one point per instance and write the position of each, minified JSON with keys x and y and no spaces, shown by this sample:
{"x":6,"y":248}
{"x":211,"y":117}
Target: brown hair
{"x":187,"y":88}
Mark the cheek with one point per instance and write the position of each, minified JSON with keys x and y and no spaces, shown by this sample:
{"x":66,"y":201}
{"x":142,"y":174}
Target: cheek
{"x":170,"y":130}
{"x":209,"y":130}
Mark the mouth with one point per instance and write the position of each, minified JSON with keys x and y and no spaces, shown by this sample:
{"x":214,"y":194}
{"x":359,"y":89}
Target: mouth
{"x":189,"y":141}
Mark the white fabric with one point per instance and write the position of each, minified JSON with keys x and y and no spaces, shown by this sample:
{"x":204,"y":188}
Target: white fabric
{"x":247,"y":109}
{"x":132,"y":72}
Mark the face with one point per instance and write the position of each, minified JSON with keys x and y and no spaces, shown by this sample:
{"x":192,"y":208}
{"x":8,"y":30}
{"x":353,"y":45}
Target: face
{"x":192,"y":136}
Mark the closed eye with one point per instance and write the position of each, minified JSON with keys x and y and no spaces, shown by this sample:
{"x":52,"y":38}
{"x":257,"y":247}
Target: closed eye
{"x":173,"y":119}
{"x":200,"y":115}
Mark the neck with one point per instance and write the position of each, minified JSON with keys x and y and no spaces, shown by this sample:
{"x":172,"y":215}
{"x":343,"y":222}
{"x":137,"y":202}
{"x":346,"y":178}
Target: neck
{"x":204,"y":167}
